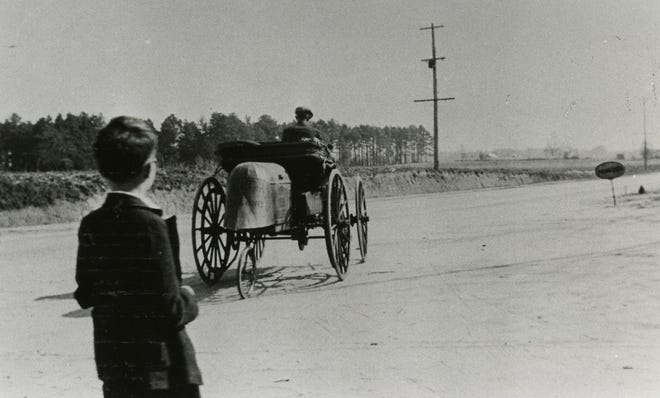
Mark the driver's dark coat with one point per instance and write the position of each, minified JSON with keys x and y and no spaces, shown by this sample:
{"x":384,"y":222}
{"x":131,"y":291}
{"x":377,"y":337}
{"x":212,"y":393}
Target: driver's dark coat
{"x":297,"y":132}
{"x":126,"y":271}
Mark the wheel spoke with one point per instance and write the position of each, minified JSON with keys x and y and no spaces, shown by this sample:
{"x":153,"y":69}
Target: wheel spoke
{"x":207,"y":217}
{"x":205,"y":239}
{"x":208,"y":207}
{"x":211,"y":255}
{"x":212,"y":199}
{"x":204,"y":246}
{"x":220,"y":254}
{"x":213,"y":208}
{"x":204,"y":231}
{"x":198,"y":209}
{"x":217,"y":200}
{"x":200,"y":247}
{"x":212,"y":213}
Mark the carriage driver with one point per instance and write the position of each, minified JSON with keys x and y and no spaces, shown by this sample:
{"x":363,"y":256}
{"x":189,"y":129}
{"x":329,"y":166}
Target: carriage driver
{"x":301,"y":130}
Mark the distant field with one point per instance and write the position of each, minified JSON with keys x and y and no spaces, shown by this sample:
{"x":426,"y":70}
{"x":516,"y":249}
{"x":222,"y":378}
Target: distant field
{"x":553,"y":164}
{"x":632,"y":166}
{"x":56,"y":197}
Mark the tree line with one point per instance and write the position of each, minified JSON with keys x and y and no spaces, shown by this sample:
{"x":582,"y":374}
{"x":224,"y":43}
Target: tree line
{"x":65,"y":142}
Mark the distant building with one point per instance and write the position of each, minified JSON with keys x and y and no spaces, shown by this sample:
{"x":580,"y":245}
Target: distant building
{"x":598,"y":152}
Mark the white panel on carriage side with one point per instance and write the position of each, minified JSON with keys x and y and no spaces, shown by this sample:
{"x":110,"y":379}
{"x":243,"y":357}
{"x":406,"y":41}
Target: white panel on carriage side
{"x":258,"y":196}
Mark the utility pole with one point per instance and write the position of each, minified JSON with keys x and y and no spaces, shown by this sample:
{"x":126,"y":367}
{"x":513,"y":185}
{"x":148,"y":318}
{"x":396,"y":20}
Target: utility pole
{"x":432,"y":62}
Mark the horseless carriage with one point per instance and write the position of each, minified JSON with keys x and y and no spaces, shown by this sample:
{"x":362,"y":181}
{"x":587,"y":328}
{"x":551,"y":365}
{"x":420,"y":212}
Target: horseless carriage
{"x":274,"y":190}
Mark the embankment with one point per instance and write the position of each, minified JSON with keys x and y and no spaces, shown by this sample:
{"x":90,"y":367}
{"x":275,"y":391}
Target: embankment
{"x":379,"y":183}
{"x":49,"y":198}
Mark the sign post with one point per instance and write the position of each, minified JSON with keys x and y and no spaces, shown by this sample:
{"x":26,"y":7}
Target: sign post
{"x":610,"y":171}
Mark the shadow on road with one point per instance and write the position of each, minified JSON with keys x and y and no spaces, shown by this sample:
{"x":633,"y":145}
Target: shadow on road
{"x":272,"y":280}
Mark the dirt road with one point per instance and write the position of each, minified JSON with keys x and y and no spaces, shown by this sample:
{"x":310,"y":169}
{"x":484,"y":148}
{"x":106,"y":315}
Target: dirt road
{"x":539,"y":291}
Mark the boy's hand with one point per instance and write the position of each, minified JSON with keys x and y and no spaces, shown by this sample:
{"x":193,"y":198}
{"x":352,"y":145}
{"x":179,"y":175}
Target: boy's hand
{"x":188,"y":289}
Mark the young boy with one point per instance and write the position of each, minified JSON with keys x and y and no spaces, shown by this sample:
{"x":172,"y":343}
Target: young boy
{"x":126,"y":272}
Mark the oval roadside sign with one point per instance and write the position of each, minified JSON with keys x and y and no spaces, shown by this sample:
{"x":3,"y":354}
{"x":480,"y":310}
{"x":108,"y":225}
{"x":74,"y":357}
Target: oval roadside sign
{"x":610,"y":170}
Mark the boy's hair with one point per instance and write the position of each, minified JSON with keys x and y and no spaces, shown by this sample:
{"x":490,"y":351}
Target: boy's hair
{"x":123,"y":147}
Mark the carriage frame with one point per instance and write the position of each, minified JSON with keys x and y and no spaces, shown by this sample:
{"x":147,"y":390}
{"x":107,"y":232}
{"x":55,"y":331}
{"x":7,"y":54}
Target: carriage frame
{"x":216,"y":248}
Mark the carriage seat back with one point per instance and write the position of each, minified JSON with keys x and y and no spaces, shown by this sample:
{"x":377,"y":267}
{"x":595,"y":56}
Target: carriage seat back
{"x":307,"y":162}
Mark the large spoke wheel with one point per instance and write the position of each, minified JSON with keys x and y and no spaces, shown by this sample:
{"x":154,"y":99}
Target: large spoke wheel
{"x":246,"y":276}
{"x":337,"y":224}
{"x":210,"y":239}
{"x":362,"y":218}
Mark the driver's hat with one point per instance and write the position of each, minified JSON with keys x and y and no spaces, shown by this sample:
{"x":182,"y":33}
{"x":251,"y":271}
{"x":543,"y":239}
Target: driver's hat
{"x":304,"y":111}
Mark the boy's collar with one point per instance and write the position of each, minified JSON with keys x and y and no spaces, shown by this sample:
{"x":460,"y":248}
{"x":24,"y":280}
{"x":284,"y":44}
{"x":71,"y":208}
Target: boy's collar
{"x":142,"y":198}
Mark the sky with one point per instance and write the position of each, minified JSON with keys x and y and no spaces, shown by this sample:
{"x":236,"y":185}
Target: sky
{"x":524,"y":73}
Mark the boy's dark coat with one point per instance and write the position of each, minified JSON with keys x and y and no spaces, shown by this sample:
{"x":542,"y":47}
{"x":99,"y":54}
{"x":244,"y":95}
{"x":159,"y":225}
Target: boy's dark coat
{"x":127,"y":272}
